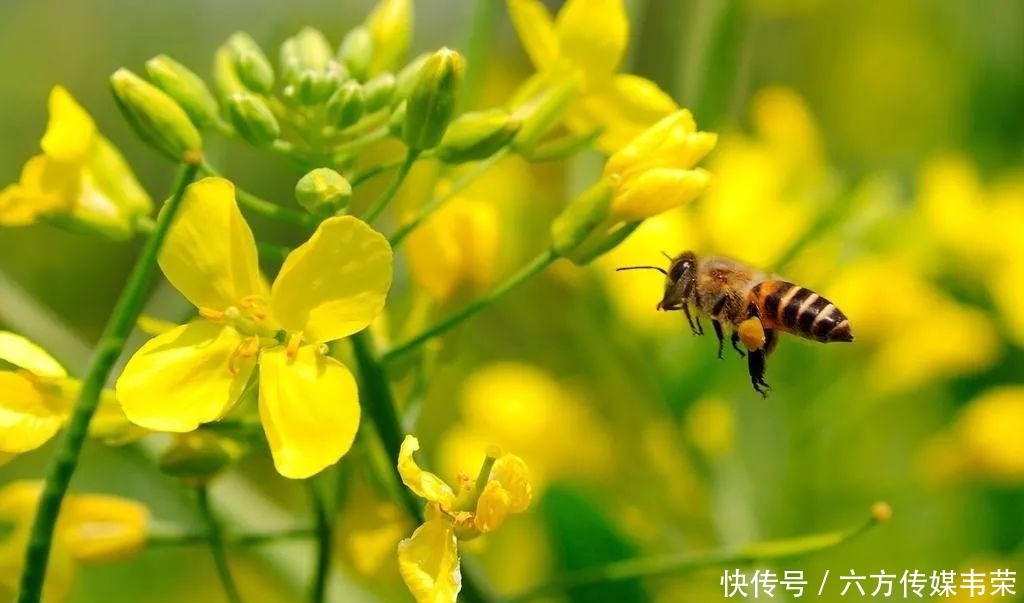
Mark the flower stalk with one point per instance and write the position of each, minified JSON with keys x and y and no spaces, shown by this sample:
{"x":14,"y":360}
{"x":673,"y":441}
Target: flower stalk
{"x":388,"y":195}
{"x":216,"y":541}
{"x":111,"y":344}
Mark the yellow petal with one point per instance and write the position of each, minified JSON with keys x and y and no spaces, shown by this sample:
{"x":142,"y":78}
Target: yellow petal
{"x":623,"y":110}
{"x":659,"y":190}
{"x":184,"y":378}
{"x":210,"y":253}
{"x":309,"y":407}
{"x":593,"y":34}
{"x":423,"y":483}
{"x":491,"y":508}
{"x":24,"y":354}
{"x":536,"y":30}
{"x":103,"y":528}
{"x":389,"y":25}
{"x":511,"y":472}
{"x":30,"y":414}
{"x":46,"y":186}
{"x":70,"y":132}
{"x":429,"y":563}
{"x":650,"y":141}
{"x":18,"y":502}
{"x":335,"y":283}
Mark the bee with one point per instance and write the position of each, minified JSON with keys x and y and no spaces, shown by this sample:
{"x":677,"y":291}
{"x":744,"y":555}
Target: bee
{"x":753,"y":304}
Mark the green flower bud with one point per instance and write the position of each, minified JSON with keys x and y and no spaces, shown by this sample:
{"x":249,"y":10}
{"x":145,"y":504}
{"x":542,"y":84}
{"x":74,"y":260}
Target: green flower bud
{"x":582,"y":217}
{"x":186,"y":88}
{"x":407,"y":76}
{"x":431,"y":103}
{"x":314,"y":87}
{"x":390,"y":25}
{"x":543,"y":112}
{"x":379,"y":91}
{"x":323,"y":192}
{"x":346,"y":105}
{"x":252,"y":119}
{"x":250,"y":63}
{"x":225,"y":75}
{"x":155,"y":117}
{"x":477,"y":135}
{"x":356,"y":52}
{"x":306,"y":50}
{"x":396,"y":123}
{"x":197,"y":457}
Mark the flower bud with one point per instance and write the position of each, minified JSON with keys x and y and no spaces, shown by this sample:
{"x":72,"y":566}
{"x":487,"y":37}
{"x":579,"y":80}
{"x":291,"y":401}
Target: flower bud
{"x":323,"y":192}
{"x":186,"y":88}
{"x":356,"y":52}
{"x":582,"y":217}
{"x":346,"y":105}
{"x":389,"y":25}
{"x":155,"y":117}
{"x":477,"y":135}
{"x":431,"y":102}
{"x":396,"y":123}
{"x":407,"y":76}
{"x":314,"y":87}
{"x":306,"y":50}
{"x":250,"y":64}
{"x":252,"y":119}
{"x":379,"y":91}
{"x":198,"y":456}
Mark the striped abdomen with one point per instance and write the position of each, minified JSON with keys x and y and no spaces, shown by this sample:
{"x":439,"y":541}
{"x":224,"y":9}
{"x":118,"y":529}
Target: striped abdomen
{"x":800,"y":311}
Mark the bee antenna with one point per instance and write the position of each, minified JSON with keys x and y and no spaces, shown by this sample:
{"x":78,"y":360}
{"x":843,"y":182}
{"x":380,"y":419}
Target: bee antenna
{"x":665,"y":253}
{"x":658,"y":268}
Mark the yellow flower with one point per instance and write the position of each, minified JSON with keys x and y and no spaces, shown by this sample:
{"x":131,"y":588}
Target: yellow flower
{"x":988,"y":430}
{"x":655,"y":172}
{"x":92,"y":528}
{"x":585,"y":43}
{"x":79,"y":180}
{"x":330,"y":287}
{"x":429,"y":559}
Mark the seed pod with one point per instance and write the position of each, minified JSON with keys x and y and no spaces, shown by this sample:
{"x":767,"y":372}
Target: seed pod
{"x":477,"y":135}
{"x":186,"y":88}
{"x":155,"y":117}
{"x":379,"y":91}
{"x":323,"y":192}
{"x":346,"y":105}
{"x":356,"y":52}
{"x":431,"y":103}
{"x":252,"y":119}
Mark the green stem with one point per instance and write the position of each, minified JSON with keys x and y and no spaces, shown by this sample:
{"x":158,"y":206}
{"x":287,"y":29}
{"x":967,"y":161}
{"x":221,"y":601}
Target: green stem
{"x":532,"y":269}
{"x":457,"y":187}
{"x":324,"y":545}
{"x":343,"y":151}
{"x":385,"y":199}
{"x":214,"y":537}
{"x":111,"y":344}
{"x":195,"y":538}
{"x":262,"y":207}
{"x":678,"y":564}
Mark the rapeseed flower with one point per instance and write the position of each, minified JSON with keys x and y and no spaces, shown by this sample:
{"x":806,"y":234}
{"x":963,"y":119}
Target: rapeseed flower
{"x":80,"y":180}
{"x":584,"y":46}
{"x":429,"y":559}
{"x":330,"y":287}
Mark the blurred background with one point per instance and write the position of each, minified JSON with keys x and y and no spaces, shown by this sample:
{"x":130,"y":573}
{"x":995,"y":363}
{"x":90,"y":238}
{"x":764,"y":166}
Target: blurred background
{"x":872,"y":151}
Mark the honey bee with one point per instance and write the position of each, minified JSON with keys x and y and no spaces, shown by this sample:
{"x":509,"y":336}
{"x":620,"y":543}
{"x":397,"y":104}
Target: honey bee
{"x":754,"y":304}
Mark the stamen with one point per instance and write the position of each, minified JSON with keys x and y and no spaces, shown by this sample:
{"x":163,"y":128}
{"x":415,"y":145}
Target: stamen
{"x":215,"y":315}
{"x":247,"y":348}
{"x":294,"y":341}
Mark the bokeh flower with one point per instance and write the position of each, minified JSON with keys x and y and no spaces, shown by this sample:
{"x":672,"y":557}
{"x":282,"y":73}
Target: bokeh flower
{"x":429,"y":559}
{"x":585,"y":45}
{"x":92,"y":528}
{"x":330,"y":287}
{"x":80,"y":180}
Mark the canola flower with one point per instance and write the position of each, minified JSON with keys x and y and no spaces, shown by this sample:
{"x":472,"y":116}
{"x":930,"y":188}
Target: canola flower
{"x":330,"y":287}
{"x":80,"y":180}
{"x":429,"y":559}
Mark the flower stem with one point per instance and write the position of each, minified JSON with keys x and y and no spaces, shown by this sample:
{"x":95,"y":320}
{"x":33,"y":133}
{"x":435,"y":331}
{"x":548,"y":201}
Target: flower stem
{"x":324,"y":544}
{"x":385,"y":199}
{"x":214,"y":537}
{"x":111,"y":344}
{"x":262,"y":207}
{"x":679,"y":564}
{"x":457,"y":187}
{"x":194,"y":538}
{"x":532,"y":269}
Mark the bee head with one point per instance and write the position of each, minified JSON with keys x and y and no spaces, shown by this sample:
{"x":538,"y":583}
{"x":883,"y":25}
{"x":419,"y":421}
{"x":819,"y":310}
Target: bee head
{"x":679,"y":279}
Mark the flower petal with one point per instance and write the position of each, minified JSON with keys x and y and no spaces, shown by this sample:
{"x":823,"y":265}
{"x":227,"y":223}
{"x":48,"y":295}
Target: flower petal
{"x":423,"y":483}
{"x":623,"y":110}
{"x":309,"y":407}
{"x":103,"y":528}
{"x":512,"y":473}
{"x":29,"y":414}
{"x":184,"y":378}
{"x":593,"y":34}
{"x":210,"y":254}
{"x":659,"y":190}
{"x":70,"y":131}
{"x":335,"y":283}
{"x":26,"y":355}
{"x":491,"y":508}
{"x":429,"y":563}
{"x":536,"y":30}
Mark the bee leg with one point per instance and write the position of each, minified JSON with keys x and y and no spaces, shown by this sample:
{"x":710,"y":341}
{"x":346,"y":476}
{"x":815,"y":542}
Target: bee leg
{"x":700,"y":327}
{"x":736,"y":344}
{"x":721,"y":337}
{"x":756,"y":366}
{"x":689,"y":319}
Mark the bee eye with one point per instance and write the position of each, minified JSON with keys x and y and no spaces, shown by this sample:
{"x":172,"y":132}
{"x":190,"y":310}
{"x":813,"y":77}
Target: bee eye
{"x":676,"y":272}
